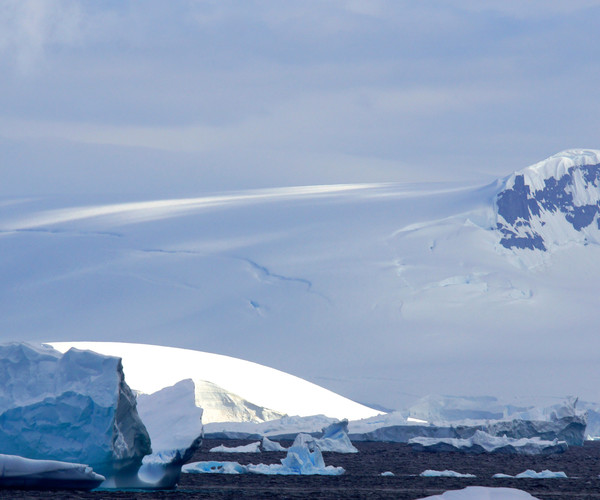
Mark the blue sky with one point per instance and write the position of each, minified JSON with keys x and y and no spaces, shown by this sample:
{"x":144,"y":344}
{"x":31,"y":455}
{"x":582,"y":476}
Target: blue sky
{"x":151,"y":99}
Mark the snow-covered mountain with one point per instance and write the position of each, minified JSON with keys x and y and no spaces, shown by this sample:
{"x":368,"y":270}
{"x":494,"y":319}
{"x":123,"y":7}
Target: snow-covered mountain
{"x":552,"y":203}
{"x":380,"y":292}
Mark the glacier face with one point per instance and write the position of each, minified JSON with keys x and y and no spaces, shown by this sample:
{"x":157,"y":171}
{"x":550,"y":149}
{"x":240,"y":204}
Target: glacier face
{"x":72,"y":407}
{"x":552,"y":202}
{"x":408,"y":285}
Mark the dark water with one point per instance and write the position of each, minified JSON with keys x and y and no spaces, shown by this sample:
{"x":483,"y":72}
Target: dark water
{"x":363,"y":480}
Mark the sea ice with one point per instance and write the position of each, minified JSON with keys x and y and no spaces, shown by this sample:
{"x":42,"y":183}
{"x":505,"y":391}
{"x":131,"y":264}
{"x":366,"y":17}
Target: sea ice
{"x":268,"y":445}
{"x":483,"y":493}
{"x":248,"y":448}
{"x":303,"y":458}
{"x":531,"y":474}
{"x":19,"y":472}
{"x":443,"y":473}
{"x":213,"y":467}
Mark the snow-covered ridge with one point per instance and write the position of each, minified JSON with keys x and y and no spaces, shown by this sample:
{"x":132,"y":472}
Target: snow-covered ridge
{"x":150,"y":368}
{"x":551,"y":203}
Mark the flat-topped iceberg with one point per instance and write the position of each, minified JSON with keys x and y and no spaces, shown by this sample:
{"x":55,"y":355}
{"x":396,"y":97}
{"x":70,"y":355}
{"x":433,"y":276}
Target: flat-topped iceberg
{"x":26,"y":473}
{"x":531,"y":474}
{"x":72,"y":407}
{"x":482,"y":442}
{"x":444,"y":473}
{"x":247,"y":448}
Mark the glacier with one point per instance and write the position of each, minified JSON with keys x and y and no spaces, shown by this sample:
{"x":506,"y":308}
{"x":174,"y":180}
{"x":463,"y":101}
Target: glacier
{"x":285,"y":277}
{"x":72,"y":407}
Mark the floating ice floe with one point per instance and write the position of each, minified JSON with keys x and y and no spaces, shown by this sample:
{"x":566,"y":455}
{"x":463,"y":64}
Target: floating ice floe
{"x":268,"y":445}
{"x":387,"y":474}
{"x":214,"y":467}
{"x":482,"y":442}
{"x":443,"y":473}
{"x":531,"y":474}
{"x":303,"y":458}
{"x":483,"y":493}
{"x":248,"y":448}
{"x":19,"y":472}
{"x":73,"y":407}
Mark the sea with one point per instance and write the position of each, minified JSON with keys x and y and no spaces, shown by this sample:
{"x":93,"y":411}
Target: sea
{"x":363,"y":479}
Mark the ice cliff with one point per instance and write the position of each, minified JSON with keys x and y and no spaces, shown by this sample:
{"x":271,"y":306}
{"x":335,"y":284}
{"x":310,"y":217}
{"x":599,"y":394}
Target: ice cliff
{"x":551,"y":203}
{"x":482,"y":442}
{"x":72,"y":407}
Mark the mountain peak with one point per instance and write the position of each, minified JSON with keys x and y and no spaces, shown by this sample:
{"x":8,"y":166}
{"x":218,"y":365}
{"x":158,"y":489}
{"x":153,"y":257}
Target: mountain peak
{"x":551,"y":203}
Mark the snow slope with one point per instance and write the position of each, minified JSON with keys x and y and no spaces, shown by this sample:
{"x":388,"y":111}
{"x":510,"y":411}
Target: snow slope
{"x":383,"y":293}
{"x":150,"y":368}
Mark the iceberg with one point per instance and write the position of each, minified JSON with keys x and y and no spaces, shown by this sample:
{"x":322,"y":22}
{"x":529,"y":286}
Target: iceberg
{"x":570,"y":429}
{"x":174,"y":423}
{"x":443,"y":473}
{"x":335,"y":438}
{"x":303,"y":458}
{"x":73,"y":407}
{"x":26,"y":473}
{"x":483,"y":493}
{"x":482,"y":442}
{"x":248,"y":448}
{"x":287,"y":427}
{"x":531,"y":474}
{"x":268,"y":445}
{"x":214,"y":467}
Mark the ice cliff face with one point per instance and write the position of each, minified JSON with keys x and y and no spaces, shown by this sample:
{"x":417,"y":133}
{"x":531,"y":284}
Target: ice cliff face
{"x":72,"y":407}
{"x":551,"y":203}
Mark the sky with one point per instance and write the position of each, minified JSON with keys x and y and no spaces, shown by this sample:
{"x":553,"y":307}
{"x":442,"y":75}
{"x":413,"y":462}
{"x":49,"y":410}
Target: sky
{"x":155,"y":99}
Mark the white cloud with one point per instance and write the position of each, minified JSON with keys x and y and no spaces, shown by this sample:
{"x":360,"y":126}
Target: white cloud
{"x":27,"y":26}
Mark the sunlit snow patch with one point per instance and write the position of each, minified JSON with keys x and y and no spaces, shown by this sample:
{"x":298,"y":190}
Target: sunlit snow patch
{"x":259,"y":384}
